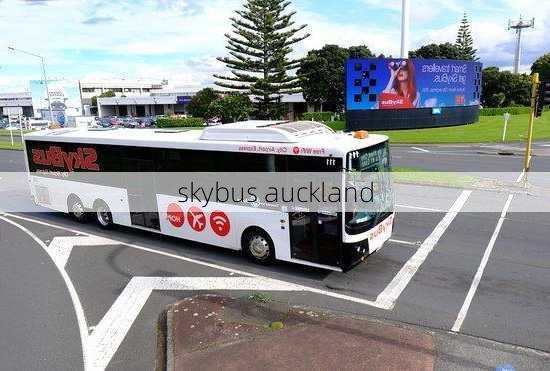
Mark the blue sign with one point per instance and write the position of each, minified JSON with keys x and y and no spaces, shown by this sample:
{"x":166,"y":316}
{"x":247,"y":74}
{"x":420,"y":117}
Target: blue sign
{"x":390,"y":84}
{"x":184,"y":99}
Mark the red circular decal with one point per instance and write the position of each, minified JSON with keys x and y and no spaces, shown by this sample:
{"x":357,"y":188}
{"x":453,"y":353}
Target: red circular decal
{"x":196,"y":219}
{"x":220,"y":223}
{"x":296,"y":150}
{"x":175,"y":215}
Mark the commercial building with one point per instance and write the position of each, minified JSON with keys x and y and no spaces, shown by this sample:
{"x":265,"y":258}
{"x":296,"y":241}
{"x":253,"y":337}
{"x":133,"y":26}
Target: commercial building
{"x":121,"y":88}
{"x":175,"y":101}
{"x":16,"y":104}
{"x":157,"y":102}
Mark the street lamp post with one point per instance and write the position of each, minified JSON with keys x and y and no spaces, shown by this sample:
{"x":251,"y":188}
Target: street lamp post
{"x":43,"y":74}
{"x":405,"y":25}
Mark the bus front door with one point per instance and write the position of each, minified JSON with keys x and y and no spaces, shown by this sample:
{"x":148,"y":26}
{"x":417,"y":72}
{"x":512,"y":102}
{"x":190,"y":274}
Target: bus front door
{"x":316,"y":238}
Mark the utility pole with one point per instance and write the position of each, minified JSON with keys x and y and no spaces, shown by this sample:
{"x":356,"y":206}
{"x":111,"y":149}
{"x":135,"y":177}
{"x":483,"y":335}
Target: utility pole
{"x":529,"y":144}
{"x":518,"y":27}
{"x":405,"y":26}
{"x":43,"y":74}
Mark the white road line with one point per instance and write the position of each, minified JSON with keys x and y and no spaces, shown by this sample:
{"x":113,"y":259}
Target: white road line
{"x":421,"y":149}
{"x":419,"y":208}
{"x":520,"y":178}
{"x":112,"y":329}
{"x":401,"y":242}
{"x":209,"y":265}
{"x":477,"y":278}
{"x":77,"y":305}
{"x":61,"y":247}
{"x":391,"y":293}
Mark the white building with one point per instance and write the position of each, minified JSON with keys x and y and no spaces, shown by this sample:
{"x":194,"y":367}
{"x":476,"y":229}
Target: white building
{"x":121,"y":88}
{"x":16,"y":104}
{"x":174,"y":101}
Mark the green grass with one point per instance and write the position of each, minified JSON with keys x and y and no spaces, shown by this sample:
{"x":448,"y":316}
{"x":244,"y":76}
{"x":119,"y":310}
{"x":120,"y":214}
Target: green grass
{"x":16,"y":133}
{"x":17,"y":146}
{"x":412,"y":175}
{"x":487,"y":130}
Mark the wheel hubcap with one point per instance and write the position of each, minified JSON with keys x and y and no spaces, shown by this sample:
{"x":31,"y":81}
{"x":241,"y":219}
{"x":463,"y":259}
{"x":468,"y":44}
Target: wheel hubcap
{"x":103,"y":216}
{"x":77,"y":209}
{"x":259,"y":247}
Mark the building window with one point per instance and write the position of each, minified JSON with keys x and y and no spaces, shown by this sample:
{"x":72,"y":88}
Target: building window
{"x":88,"y":90}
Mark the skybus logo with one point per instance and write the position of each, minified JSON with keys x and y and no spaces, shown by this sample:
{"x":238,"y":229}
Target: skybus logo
{"x":82,"y":158}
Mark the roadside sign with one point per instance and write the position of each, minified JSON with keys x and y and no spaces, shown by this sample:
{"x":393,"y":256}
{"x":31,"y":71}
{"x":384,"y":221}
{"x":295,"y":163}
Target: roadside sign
{"x":506,"y":119}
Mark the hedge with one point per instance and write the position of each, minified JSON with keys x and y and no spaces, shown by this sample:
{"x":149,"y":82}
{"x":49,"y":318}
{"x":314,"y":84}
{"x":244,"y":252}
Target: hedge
{"x":178,"y":122}
{"x":318,"y":116}
{"x":501,"y":111}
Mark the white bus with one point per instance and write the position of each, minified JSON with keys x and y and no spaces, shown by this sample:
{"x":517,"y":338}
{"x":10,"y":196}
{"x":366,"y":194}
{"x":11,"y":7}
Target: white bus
{"x":335,"y":241}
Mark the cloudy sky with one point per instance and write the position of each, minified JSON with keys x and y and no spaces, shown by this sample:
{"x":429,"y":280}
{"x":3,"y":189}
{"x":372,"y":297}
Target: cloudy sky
{"x":179,"y":39}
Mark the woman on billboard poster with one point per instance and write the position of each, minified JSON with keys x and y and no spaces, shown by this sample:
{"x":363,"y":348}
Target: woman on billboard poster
{"x":401,"y":91}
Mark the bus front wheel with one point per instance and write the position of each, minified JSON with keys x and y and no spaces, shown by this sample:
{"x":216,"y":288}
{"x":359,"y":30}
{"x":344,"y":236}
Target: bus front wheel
{"x":103,"y":214}
{"x":258,"y":246}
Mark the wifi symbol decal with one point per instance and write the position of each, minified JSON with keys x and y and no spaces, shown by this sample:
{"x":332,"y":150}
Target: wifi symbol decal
{"x":220,"y":223}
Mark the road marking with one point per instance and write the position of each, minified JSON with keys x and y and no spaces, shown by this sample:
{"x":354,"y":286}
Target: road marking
{"x":421,"y":149}
{"x":401,"y":242}
{"x":520,"y":178}
{"x":391,"y":293}
{"x":477,"y":278}
{"x":112,"y":329}
{"x":61,"y":247}
{"x":205,"y":264}
{"x":77,"y":305}
{"x":419,"y":208}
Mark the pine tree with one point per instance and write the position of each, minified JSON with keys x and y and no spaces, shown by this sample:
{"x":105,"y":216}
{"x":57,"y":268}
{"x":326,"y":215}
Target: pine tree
{"x":259,"y":49}
{"x":464,"y":40}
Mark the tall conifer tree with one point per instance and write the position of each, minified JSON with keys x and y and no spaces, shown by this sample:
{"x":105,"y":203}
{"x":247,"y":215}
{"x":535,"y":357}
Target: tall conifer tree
{"x":259,"y":48}
{"x":465,"y":41}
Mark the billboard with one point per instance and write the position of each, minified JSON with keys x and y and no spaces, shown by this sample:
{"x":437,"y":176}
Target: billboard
{"x":64,"y":98}
{"x":434,"y":87}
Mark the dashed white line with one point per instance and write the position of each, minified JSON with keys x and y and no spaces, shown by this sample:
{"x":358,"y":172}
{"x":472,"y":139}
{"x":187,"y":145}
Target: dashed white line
{"x":389,"y":296}
{"x":477,"y":278}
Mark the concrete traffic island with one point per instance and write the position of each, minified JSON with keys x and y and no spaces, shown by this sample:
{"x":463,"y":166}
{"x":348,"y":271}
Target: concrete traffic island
{"x":211,"y":332}
{"x":255,"y":333}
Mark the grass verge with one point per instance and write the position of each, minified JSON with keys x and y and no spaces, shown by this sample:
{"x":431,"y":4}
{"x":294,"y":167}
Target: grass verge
{"x":419,"y":176}
{"x":487,"y":130}
{"x":17,"y":146}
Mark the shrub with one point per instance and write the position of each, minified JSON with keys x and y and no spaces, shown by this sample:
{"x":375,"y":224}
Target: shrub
{"x":180,"y":122}
{"x":318,"y":116}
{"x":502,"y":110}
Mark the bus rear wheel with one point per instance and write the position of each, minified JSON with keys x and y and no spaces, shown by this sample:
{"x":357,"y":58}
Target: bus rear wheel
{"x":103,"y":215}
{"x":77,"y":209}
{"x":258,"y":246}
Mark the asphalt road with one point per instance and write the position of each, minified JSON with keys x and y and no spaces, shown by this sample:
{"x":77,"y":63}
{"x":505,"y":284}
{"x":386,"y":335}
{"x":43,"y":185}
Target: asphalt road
{"x":510,"y":302}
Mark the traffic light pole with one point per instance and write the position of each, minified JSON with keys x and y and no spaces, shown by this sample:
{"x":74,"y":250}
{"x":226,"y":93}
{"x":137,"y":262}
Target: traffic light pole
{"x":528,"y":148}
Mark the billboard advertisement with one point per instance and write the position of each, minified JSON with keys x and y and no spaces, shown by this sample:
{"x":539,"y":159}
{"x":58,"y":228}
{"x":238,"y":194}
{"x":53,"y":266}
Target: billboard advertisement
{"x":389,"y":83}
{"x":64,"y":98}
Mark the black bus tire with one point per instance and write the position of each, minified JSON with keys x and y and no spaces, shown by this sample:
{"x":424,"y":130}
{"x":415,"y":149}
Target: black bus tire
{"x":76,"y":209}
{"x":103,"y":215}
{"x":258,"y":246}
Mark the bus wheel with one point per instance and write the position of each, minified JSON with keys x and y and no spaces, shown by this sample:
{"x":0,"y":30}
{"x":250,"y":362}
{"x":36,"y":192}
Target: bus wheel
{"x":76,"y":209}
{"x":103,"y":216}
{"x":258,"y":246}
